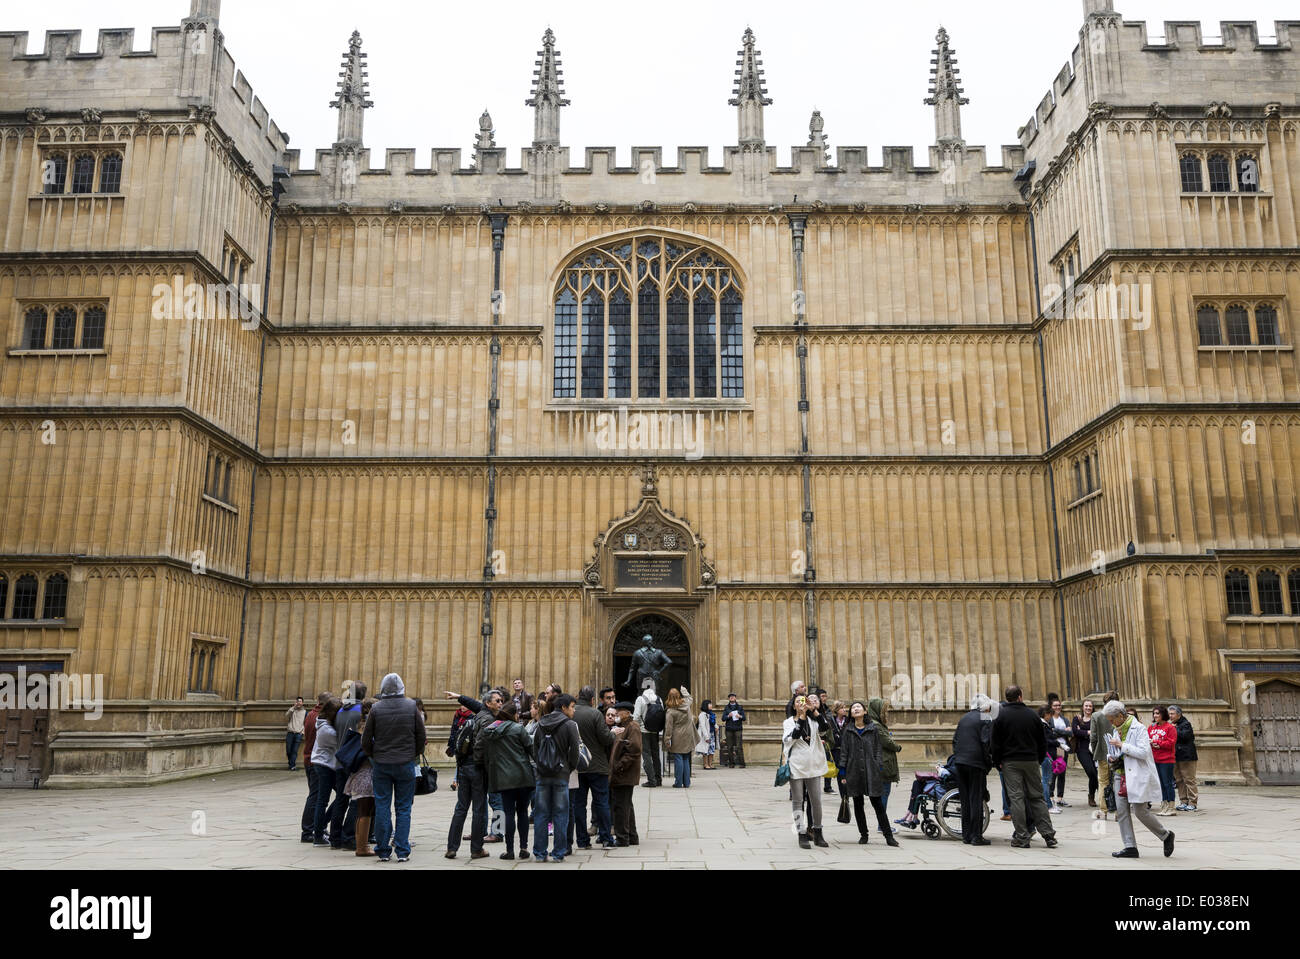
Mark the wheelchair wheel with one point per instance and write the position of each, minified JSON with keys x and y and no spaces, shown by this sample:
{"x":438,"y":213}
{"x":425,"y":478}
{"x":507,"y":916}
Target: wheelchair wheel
{"x":949,"y":813}
{"x":930,"y":829}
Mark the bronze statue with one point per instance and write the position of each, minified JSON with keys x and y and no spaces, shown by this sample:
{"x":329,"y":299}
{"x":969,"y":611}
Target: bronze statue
{"x":648,"y":662}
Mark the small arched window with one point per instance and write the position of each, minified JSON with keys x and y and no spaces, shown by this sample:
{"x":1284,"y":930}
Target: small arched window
{"x":1189,"y":167}
{"x":110,"y":173}
{"x":25,"y":597}
{"x":1087,"y":474}
{"x":54,"y":174}
{"x":1207,"y":326}
{"x":1237,"y":586}
{"x":1293,"y":591}
{"x":4,"y":594}
{"x":34,"y":329}
{"x":1238,"y":325}
{"x":1266,"y":325}
{"x":1078,"y":479}
{"x":56,"y":597}
{"x":1269,"y":584}
{"x":65,"y":329}
{"x":1247,"y":173}
{"x":650,"y":317}
{"x":92,"y":328}
{"x":83,"y":173}
{"x":1220,"y":173}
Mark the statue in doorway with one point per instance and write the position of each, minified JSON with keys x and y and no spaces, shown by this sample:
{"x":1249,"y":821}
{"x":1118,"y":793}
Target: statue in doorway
{"x":648,"y":662}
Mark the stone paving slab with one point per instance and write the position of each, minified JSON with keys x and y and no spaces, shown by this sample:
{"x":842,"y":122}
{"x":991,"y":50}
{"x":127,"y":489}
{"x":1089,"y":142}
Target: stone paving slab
{"x":728,"y":819}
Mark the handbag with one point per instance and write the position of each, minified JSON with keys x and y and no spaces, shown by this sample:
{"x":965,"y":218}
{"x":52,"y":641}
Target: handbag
{"x":844,"y":817}
{"x":426,"y":780}
{"x":831,"y":769}
{"x":1058,"y":765}
{"x":783,"y":770}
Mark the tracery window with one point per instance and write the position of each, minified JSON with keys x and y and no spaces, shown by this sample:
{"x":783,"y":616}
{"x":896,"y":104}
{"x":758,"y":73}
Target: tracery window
{"x":1269,"y":584}
{"x":1220,"y":173}
{"x":649,"y":317}
{"x":1189,"y":164}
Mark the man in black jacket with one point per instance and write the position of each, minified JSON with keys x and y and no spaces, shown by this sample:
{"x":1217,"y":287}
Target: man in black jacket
{"x":471,"y":778}
{"x":1019,"y":748}
{"x":1184,"y":760}
{"x":599,"y":740}
{"x":394,"y":736}
{"x":972,"y":747}
{"x":348,"y":719}
{"x":733,"y":717}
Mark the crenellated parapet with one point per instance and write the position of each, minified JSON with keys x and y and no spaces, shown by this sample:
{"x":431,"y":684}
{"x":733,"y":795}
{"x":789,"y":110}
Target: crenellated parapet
{"x":186,"y":73}
{"x":652,"y":181}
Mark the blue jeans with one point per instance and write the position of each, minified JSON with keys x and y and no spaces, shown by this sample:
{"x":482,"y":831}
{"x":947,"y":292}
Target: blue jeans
{"x":1047,"y":781}
{"x":497,"y":816}
{"x":598,"y":785}
{"x":328,"y":780}
{"x":309,"y":807}
{"x":1006,"y":802}
{"x":552,"y":806}
{"x":1168,"y":792}
{"x":393,"y":782}
{"x":292,"y":742}
{"x":681,"y":769}
{"x":884,"y":796}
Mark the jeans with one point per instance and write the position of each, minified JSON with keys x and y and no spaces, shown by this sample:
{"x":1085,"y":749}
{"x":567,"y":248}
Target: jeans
{"x":552,"y":806}
{"x":309,"y":807}
{"x":1046,"y":766}
{"x":1028,"y":805}
{"x":471,"y":792}
{"x":1168,"y":791}
{"x":292,"y":742}
{"x":598,"y":785}
{"x":497,"y":817}
{"x":651,"y":759}
{"x":1006,"y":801}
{"x":328,"y":780}
{"x":393,"y":785}
{"x":1090,"y":768}
{"x":681,"y":769}
{"x":515,"y":805}
{"x":884,"y":796}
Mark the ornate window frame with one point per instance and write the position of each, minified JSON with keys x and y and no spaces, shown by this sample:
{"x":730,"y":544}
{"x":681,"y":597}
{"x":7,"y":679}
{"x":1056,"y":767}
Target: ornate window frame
{"x":51,"y":153}
{"x":1236,"y":154}
{"x":1275,"y":310}
{"x":620,"y":271}
{"x":19,"y":345}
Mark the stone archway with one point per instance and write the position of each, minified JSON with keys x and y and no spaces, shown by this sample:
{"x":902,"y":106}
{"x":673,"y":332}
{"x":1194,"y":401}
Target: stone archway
{"x":667,"y":634}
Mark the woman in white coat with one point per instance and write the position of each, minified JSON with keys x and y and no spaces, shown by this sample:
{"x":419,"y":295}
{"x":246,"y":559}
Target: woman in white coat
{"x":801,"y":737}
{"x":1137,"y":782}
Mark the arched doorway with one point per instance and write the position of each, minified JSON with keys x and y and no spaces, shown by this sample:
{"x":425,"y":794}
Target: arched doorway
{"x":666,"y":634}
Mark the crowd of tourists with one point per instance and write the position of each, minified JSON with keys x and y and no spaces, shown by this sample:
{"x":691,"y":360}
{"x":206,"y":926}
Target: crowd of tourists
{"x":540,"y":764}
{"x":535,"y":762}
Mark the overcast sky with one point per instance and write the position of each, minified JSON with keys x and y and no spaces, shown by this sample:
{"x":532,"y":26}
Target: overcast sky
{"x":638,"y":73}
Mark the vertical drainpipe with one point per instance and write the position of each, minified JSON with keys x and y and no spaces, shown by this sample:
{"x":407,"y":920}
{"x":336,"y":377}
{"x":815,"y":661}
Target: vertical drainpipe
{"x":1051,"y":475}
{"x":278,"y":175}
{"x":498,"y":221}
{"x":798,"y":229}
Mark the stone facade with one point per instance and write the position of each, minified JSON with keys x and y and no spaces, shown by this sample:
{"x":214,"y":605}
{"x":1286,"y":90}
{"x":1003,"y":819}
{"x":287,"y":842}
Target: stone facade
{"x":945,"y":461}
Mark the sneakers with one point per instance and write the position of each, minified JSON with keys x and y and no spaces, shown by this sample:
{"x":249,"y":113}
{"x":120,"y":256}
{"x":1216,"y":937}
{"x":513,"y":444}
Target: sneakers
{"x":321,"y":843}
{"x":1062,"y":803}
{"x":403,"y":858}
{"x":1129,"y":853}
{"x":1191,"y":807}
{"x":1183,"y":807}
{"x":555,"y":858}
{"x":384,"y":859}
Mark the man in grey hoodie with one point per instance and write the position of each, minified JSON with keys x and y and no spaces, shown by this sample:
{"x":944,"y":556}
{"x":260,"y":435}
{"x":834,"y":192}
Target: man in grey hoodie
{"x":393,"y":738}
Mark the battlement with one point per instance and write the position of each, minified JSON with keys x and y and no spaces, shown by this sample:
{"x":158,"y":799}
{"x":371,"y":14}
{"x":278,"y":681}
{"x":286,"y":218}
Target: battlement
{"x":1126,"y":69}
{"x":954,"y":175}
{"x":175,"y":74}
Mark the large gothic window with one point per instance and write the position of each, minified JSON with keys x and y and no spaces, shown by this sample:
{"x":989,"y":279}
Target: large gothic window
{"x":649,"y":317}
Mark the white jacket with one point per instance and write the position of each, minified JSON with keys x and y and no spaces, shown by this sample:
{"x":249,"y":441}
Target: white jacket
{"x":1142,"y":781}
{"x":807,"y":759}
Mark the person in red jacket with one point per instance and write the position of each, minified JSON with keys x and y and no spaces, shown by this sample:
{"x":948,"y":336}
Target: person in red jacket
{"x":1164,"y":736}
{"x":309,"y":741}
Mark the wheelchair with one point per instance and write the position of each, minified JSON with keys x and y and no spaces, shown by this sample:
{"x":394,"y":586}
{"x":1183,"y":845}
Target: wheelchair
{"x":940,"y":811}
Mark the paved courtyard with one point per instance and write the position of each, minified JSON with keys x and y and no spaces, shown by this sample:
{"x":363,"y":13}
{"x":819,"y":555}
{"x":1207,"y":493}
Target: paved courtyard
{"x":727,"y":819}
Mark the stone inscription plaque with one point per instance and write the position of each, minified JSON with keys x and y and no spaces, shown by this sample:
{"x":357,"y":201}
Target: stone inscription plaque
{"x":649,"y":572}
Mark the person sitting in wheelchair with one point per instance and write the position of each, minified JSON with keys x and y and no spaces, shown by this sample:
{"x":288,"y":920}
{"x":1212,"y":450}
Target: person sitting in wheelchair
{"x":933,"y":785}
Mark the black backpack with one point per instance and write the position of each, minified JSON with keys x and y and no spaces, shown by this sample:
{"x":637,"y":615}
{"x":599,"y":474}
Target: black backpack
{"x":550,"y":765}
{"x":655,"y":716}
{"x":465,"y":741}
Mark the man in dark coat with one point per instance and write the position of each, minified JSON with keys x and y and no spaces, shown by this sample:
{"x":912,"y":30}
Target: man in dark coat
{"x":972,"y":747}
{"x":1184,"y":760}
{"x":1019,"y":748}
{"x":624,"y":766}
{"x":733,"y":717}
{"x":393,"y":739}
{"x":471,"y":778}
{"x":598,"y":739}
